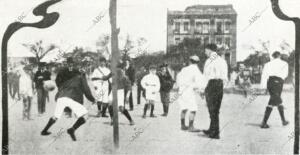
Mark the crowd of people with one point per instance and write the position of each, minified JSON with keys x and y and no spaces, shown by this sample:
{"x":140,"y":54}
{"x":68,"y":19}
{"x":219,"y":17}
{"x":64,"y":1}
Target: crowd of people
{"x":154,"y":84}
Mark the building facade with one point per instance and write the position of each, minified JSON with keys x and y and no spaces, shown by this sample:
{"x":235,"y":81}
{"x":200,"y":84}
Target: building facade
{"x":207,"y":23}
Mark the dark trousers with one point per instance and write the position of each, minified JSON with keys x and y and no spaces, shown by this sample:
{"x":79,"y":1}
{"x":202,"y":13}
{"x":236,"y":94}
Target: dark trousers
{"x":274,"y":86}
{"x":214,"y":95}
{"x":10,"y":89}
{"x":130,"y":100}
{"x":139,"y":91}
{"x":15,"y":90}
{"x":165,"y":99}
{"x":41,"y":97}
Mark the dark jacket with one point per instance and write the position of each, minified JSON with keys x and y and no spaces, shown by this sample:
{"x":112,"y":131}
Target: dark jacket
{"x":123,"y":81}
{"x":75,"y":88}
{"x":130,"y":73}
{"x":64,"y":75}
{"x":166,"y":82}
{"x":40,"y":77}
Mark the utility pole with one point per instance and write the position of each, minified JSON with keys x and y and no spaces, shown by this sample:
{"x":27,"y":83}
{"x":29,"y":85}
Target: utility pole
{"x":277,"y":11}
{"x":114,"y":61}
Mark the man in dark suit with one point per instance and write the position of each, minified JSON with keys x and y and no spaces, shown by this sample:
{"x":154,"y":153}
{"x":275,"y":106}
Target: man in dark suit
{"x":40,"y":76}
{"x":140,"y":89}
{"x":130,"y":73}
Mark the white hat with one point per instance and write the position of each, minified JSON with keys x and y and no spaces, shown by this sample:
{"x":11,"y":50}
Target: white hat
{"x":194,"y":58}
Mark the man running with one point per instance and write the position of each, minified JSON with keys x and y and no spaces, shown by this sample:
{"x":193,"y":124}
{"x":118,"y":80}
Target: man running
{"x":70,"y":94}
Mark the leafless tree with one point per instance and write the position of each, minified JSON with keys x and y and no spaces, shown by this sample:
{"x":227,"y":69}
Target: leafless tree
{"x":39,"y":50}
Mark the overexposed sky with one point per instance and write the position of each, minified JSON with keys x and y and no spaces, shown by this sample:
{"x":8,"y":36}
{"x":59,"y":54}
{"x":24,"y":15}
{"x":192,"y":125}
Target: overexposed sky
{"x":139,"y":18}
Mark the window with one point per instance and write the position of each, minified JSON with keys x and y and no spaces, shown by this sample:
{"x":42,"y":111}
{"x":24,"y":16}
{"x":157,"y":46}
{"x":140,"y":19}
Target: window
{"x":199,"y":27}
{"x":206,"y":40}
{"x":177,"y":40}
{"x":227,"y":26}
{"x":228,"y":42}
{"x":219,"y":27}
{"x":219,"y":41}
{"x":205,"y":27}
{"x":177,"y":27}
{"x":186,"y":26}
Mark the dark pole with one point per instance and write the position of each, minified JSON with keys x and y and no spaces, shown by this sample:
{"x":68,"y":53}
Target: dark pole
{"x":114,"y":60}
{"x":277,"y":11}
{"x":297,"y":52}
{"x":48,"y":20}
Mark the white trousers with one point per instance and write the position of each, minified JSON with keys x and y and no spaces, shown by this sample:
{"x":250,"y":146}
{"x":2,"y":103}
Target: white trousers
{"x":64,"y":102}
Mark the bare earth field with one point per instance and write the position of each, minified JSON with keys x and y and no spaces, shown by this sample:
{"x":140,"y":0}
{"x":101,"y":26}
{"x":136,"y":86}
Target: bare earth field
{"x":239,"y":123}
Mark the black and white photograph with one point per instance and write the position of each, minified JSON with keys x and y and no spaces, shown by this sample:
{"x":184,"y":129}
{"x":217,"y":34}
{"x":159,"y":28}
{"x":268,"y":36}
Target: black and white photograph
{"x":150,"y":77}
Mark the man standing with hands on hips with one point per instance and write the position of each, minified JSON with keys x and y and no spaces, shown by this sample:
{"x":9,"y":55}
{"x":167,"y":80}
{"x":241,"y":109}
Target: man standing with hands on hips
{"x":215,"y":71}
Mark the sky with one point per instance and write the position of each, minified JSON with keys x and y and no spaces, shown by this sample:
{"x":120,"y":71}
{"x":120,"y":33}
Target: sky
{"x":139,"y":18}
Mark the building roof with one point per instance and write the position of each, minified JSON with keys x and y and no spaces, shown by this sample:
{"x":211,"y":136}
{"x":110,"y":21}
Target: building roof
{"x":206,"y":9}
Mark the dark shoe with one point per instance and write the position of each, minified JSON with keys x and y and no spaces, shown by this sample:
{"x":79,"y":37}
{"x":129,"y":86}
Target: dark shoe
{"x":264,"y":126}
{"x":214,"y":136}
{"x":153,"y":116}
{"x":144,"y":116}
{"x":45,"y":133}
{"x":183,"y":127}
{"x":131,"y":109}
{"x":206,"y":132}
{"x":164,"y":115}
{"x":98,"y":114}
{"x":71,"y":132}
{"x":266,"y":117}
{"x":192,"y":129}
{"x":131,"y":123}
{"x":285,"y":123}
{"x":104,"y":115}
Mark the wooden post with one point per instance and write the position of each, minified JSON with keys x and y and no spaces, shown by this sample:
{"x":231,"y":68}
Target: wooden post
{"x":114,"y":60}
{"x":277,"y":11}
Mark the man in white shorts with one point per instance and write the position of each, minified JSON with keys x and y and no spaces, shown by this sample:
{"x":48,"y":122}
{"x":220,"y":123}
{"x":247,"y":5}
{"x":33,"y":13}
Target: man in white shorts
{"x":70,"y":94}
{"x":191,"y":82}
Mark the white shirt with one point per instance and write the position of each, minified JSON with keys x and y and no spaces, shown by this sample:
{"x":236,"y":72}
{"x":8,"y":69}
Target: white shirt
{"x":276,"y":67}
{"x":97,"y":74}
{"x":190,"y":77}
{"x":215,"y":67}
{"x":151,"y":82}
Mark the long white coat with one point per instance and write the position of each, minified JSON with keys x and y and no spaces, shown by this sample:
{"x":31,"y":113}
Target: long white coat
{"x":101,"y":87}
{"x":151,"y":84}
{"x":190,"y":81}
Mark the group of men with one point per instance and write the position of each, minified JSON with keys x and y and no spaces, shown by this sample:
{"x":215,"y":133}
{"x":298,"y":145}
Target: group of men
{"x":194,"y":84}
{"x":24,"y":83}
{"x":72,"y":86}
